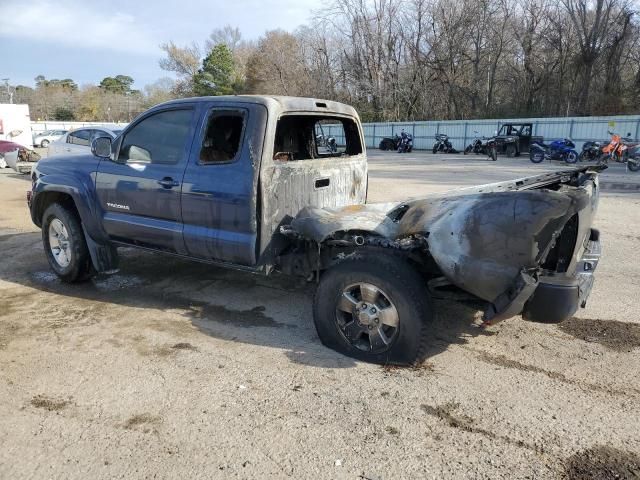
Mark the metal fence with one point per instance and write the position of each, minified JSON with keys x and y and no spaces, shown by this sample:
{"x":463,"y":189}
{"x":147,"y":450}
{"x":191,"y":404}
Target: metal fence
{"x":462,"y":132}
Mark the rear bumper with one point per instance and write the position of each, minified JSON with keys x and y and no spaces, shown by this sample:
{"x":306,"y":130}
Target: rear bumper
{"x":554,"y":302}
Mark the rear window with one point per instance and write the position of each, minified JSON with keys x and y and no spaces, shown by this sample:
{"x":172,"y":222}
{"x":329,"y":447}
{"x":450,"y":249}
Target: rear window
{"x":307,"y":137}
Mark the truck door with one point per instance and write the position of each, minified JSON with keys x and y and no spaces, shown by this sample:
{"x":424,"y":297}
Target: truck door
{"x":139,"y":191}
{"x":219,"y":188}
{"x":305,"y":171}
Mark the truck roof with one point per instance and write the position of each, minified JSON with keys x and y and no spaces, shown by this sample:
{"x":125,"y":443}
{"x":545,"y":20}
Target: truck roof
{"x":282,"y":104}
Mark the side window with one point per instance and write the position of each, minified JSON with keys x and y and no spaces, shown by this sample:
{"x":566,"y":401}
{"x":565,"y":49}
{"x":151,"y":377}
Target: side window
{"x":526,"y":131}
{"x":79,"y":137}
{"x":223,"y":136}
{"x":159,"y":138}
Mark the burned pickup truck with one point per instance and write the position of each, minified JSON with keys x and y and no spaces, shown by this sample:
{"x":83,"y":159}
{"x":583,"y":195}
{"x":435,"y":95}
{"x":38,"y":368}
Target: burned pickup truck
{"x":241,"y":182}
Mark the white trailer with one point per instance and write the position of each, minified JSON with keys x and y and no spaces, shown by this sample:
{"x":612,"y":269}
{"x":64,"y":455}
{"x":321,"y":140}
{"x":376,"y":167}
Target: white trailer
{"x":15,"y":124}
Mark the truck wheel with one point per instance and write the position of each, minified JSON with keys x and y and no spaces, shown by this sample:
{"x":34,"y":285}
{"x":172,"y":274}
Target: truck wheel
{"x":65,"y":245}
{"x":44,"y":143}
{"x":510,"y":150}
{"x":374,"y":308}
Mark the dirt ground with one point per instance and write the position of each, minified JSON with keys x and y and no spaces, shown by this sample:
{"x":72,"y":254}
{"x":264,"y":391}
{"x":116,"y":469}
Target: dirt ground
{"x":172,"y":369}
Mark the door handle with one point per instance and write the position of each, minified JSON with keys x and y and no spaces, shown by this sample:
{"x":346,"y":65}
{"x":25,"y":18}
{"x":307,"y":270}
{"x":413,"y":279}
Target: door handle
{"x":322,"y":183}
{"x":168,"y":182}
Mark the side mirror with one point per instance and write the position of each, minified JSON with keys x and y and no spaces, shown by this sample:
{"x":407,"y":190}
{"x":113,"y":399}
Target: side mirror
{"x":101,"y":147}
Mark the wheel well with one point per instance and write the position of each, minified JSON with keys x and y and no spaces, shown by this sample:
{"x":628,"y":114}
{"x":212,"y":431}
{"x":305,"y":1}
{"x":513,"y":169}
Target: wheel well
{"x":46,"y":199}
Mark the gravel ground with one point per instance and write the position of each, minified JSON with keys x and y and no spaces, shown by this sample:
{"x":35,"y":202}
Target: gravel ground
{"x":175,"y":369}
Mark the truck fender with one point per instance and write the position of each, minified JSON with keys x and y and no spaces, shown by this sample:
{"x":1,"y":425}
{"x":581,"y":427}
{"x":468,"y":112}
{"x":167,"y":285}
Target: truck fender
{"x":103,"y":253}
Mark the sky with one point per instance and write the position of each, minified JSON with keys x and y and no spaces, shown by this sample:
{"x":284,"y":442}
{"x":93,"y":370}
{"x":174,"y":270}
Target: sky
{"x":89,"y":40}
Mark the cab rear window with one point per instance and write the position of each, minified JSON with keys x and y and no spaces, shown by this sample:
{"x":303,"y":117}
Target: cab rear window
{"x":308,"y":137}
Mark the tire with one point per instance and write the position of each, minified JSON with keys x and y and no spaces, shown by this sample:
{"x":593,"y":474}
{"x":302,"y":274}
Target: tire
{"x":383,"y":145}
{"x":44,"y":143}
{"x":468,"y":149}
{"x":435,"y":148}
{"x":583,"y":156}
{"x":536,"y":157}
{"x":510,"y":150}
{"x":493,"y":154}
{"x":571,"y":157}
{"x":399,"y":287}
{"x":633,"y":165}
{"x":77,"y":267}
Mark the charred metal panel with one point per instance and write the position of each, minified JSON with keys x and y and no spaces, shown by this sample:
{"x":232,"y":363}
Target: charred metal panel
{"x":289,"y":187}
{"x":481,"y":238}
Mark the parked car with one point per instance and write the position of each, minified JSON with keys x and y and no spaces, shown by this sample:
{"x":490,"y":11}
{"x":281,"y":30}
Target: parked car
{"x":239,"y":182}
{"x":78,"y":141}
{"x":515,"y":138}
{"x":43,"y":139}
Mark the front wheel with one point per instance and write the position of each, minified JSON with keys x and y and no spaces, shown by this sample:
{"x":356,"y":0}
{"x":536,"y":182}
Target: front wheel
{"x":571,"y":157}
{"x":435,"y":148}
{"x":65,"y":245}
{"x":374,"y":308}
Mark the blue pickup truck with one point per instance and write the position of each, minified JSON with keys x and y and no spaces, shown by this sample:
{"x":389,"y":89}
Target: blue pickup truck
{"x":244,"y":182}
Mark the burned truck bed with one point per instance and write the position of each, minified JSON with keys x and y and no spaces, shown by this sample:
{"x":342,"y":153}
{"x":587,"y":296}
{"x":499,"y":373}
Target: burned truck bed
{"x":504,"y":243}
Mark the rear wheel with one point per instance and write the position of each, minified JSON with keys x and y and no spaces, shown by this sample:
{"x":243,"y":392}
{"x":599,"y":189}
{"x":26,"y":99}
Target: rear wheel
{"x":374,"y":308}
{"x":44,"y":143}
{"x":65,"y":245}
{"x":435,"y":148}
{"x":536,"y":157}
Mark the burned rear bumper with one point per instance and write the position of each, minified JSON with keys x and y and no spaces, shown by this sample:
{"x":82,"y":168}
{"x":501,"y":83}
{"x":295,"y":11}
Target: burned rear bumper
{"x":554,"y":302}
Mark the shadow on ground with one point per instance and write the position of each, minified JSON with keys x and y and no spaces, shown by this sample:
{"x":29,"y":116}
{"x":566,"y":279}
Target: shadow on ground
{"x":225,"y":304}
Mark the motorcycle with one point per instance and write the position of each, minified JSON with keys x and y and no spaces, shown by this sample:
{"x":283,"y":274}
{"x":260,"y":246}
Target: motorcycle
{"x":328,"y":143}
{"x":492,"y":148}
{"x":443,"y":144}
{"x":406,"y":143}
{"x":479,"y":145}
{"x":619,"y":150}
{"x":390,"y":143}
{"x":590,"y":151}
{"x":633,"y":160}
{"x":557,"y":150}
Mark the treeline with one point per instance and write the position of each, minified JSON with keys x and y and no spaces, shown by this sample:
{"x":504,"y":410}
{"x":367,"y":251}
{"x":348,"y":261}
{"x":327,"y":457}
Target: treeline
{"x":399,"y":60}
{"x":442,"y":59}
{"x":112,"y":100}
